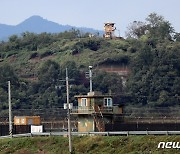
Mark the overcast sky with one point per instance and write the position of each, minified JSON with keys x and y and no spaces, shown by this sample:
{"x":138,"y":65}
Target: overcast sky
{"x":90,"y":13}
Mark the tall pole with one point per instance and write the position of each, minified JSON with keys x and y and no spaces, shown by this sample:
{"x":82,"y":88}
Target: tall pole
{"x":90,"y":77}
{"x":68,"y":112}
{"x":10,"y":108}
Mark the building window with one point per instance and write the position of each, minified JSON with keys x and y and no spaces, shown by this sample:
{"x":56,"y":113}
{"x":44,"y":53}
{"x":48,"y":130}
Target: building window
{"x":17,"y":121}
{"x":108,"y":102}
{"x":23,"y":121}
{"x":83,"y":102}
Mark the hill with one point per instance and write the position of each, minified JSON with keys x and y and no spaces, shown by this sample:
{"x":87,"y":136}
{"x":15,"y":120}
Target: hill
{"x":35,"y":64}
{"x":37,"y":24}
{"x":89,"y":145}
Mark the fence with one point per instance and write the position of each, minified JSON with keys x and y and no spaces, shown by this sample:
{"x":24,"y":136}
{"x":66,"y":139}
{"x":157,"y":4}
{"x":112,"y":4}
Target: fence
{"x":48,"y":126}
{"x":133,"y":119}
{"x":143,"y":127}
{"x":151,"y":112}
{"x":4,"y":129}
{"x":95,"y":133}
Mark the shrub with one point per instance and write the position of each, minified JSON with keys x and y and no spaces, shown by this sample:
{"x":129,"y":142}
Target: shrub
{"x":46,"y":53}
{"x":33,"y":55}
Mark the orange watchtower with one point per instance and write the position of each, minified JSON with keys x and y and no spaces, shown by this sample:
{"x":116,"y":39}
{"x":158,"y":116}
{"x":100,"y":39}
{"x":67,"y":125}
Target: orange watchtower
{"x":109,"y":30}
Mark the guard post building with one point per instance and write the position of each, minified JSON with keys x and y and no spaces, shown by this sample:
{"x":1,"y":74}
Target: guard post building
{"x":95,"y":111}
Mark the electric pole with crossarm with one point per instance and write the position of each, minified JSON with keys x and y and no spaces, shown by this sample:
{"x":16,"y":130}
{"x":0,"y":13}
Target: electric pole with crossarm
{"x":68,"y":112}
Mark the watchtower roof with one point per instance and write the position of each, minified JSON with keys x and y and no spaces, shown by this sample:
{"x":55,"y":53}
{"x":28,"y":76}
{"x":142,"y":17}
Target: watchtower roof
{"x":93,"y":95}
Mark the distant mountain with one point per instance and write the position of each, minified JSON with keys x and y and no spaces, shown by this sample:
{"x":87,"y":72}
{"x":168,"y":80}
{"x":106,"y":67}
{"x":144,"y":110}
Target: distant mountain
{"x":38,"y":25}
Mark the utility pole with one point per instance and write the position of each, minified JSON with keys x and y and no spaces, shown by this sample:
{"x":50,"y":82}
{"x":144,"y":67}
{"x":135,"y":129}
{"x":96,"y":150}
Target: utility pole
{"x":68,"y":112}
{"x":10,"y":108}
{"x":90,"y":77}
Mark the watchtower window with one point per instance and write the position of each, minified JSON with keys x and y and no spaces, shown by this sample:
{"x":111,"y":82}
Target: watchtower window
{"x":108,"y":102}
{"x":83,"y":101}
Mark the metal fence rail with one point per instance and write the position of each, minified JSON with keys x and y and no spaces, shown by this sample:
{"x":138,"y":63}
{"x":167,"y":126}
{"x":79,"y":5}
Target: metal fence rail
{"x":95,"y":133}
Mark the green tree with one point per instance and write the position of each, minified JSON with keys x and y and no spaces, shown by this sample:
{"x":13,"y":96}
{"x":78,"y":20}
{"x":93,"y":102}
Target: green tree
{"x":73,"y":72}
{"x":106,"y":83}
{"x":154,"y":77}
{"x":155,"y":27}
{"x":7,"y":74}
{"x":49,"y":73}
{"x":136,"y":29}
{"x":158,"y":27}
{"x":46,"y":92}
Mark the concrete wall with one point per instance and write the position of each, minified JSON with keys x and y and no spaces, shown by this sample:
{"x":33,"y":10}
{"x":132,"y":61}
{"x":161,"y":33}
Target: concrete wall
{"x":85,"y":124}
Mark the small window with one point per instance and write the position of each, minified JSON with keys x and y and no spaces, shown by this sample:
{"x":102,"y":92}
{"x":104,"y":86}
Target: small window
{"x":17,"y":121}
{"x":23,"y":121}
{"x":108,"y":102}
{"x":83,"y":102}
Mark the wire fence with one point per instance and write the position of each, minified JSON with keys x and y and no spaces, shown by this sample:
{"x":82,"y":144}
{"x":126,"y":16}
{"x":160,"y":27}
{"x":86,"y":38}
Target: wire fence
{"x":152,"y":112}
{"x":130,"y":114}
{"x":138,"y":119}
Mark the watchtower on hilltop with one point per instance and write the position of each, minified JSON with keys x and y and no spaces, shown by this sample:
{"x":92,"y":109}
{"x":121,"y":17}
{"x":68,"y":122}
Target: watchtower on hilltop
{"x":109,"y":28}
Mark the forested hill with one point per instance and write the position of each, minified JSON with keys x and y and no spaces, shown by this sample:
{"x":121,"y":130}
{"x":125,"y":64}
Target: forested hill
{"x":35,"y":64}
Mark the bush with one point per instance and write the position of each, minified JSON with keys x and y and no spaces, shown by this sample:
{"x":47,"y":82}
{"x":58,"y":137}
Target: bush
{"x":77,"y":48}
{"x":33,"y":55}
{"x":46,"y":53}
{"x":92,"y":44}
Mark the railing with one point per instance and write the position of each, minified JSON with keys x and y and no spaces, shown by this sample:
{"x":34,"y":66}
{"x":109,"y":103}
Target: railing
{"x":95,"y":133}
{"x":90,"y":110}
{"x":107,"y":109}
{"x":82,"y":110}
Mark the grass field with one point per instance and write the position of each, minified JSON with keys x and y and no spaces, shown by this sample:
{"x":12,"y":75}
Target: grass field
{"x":88,"y":145}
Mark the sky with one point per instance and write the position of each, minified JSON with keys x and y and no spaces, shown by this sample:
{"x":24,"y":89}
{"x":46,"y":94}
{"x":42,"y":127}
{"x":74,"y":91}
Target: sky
{"x":90,"y":13}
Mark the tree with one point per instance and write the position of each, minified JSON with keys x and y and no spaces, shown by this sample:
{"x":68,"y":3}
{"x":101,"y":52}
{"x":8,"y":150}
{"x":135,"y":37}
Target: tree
{"x":73,"y":71}
{"x":155,"y":20}
{"x":158,"y":27}
{"x":155,"y":27}
{"x":46,"y":92}
{"x":7,"y":74}
{"x":18,"y":88}
{"x":49,"y":73}
{"x":29,"y":41}
{"x":177,"y":37}
{"x":136,"y":29}
{"x":105,"y":83}
{"x":13,"y":38}
{"x":154,"y":77}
